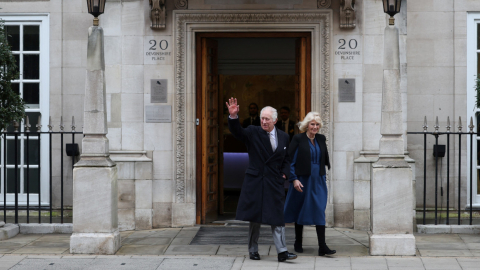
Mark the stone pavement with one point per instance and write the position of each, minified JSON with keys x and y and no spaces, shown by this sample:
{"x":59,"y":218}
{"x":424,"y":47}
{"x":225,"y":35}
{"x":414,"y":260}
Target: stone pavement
{"x":171,"y":248}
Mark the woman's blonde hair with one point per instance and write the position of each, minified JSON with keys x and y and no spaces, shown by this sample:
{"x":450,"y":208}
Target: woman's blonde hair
{"x":302,"y":126}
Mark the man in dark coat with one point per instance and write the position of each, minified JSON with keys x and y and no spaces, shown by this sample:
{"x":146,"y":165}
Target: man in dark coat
{"x":262,"y":197}
{"x":253,"y":119}
{"x":284,"y":123}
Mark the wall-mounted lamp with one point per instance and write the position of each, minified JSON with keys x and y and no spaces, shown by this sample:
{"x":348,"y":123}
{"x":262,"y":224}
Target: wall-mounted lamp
{"x":391,"y":7}
{"x":96,"y":8}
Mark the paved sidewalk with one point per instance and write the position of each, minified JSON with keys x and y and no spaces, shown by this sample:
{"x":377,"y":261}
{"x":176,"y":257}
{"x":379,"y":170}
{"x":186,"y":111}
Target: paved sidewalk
{"x":172,"y":248}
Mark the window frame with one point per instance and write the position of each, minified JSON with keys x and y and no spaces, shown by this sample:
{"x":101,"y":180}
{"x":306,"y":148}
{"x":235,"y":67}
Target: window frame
{"x":43,"y":21}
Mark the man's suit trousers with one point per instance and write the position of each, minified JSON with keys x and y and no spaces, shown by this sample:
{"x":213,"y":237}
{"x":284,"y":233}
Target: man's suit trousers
{"x":278,"y":233}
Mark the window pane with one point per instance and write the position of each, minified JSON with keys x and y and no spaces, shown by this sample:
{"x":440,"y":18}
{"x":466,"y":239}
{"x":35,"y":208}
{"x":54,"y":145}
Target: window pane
{"x":33,"y":119}
{"x":11,"y":180}
{"x":17,"y":61}
{"x":31,"y":94}
{"x":31,"y":66}
{"x":32,"y":152}
{"x":31,"y":38}
{"x":16,"y":88}
{"x":32,"y":180}
{"x":11,"y":152}
{"x":478,"y":36}
{"x":13,"y":36}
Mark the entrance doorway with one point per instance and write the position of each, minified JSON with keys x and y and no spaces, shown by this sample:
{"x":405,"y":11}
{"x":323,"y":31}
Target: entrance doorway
{"x":268,"y":69}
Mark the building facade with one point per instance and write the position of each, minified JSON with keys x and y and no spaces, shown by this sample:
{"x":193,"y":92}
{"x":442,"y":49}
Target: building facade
{"x":171,"y":66}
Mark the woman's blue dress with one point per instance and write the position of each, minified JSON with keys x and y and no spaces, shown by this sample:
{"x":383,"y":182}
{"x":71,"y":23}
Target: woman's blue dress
{"x":307,"y":207}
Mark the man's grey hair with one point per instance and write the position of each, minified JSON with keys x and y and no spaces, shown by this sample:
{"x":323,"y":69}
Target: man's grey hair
{"x":272,"y":110}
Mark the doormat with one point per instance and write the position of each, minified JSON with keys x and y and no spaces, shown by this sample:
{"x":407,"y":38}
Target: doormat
{"x":237,"y":236}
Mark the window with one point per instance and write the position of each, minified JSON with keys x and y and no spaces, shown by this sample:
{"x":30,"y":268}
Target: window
{"x":28,"y":36}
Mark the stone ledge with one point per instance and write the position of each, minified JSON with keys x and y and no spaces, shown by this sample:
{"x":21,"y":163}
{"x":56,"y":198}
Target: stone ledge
{"x":8,"y":231}
{"x":45,"y":228}
{"x":436,"y":229}
{"x":129,"y":156}
{"x":392,"y":245}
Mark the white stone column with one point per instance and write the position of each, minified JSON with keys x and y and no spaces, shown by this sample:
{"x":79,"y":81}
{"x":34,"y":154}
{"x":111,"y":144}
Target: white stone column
{"x":95,"y":217}
{"x":391,"y":184}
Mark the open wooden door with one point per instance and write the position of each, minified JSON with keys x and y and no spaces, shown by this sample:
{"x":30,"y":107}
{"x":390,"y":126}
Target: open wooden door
{"x":210,"y":131}
{"x":302,"y":77}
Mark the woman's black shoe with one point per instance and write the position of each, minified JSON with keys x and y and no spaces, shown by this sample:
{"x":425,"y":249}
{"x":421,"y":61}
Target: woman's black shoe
{"x":298,"y":247}
{"x":324,"y":250}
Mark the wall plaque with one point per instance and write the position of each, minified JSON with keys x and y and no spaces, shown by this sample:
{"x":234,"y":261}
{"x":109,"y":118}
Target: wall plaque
{"x":348,"y":49}
{"x":157,"y":50}
{"x":346,"y":90}
{"x":158,"y":114}
{"x":158,"y":91}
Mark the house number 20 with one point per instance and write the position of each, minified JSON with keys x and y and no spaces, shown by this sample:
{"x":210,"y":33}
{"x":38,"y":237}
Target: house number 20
{"x":163,"y":45}
{"x":352,"y":43}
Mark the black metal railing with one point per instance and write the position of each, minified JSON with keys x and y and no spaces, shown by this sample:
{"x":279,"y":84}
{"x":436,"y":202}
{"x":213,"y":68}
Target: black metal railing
{"x":14,"y":163}
{"x":437,"y":152}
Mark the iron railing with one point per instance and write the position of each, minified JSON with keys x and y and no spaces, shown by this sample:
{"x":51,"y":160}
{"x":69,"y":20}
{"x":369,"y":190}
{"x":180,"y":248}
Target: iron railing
{"x":13,"y":137}
{"x":448,"y":133}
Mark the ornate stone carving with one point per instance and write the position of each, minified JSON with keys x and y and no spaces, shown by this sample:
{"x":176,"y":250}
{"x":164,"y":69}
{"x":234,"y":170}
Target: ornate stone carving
{"x":181,"y":4}
{"x":348,"y":19}
{"x":157,"y":14}
{"x":324,"y":3}
{"x":323,"y":19}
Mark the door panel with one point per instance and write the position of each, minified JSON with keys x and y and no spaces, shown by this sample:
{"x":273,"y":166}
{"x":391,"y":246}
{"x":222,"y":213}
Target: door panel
{"x":210,"y":130}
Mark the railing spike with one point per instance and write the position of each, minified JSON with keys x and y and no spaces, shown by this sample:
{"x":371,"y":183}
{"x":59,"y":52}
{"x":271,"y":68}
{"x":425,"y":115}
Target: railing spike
{"x":16,"y":125}
{"x":471,"y":126}
{"x":73,"y":123}
{"x":460,"y":124}
{"x":61,"y":123}
{"x":425,"y":126}
{"x":448,"y":124}
{"x":436,"y":126}
{"x":50,"y":126}
{"x":27,"y":124}
{"x":39,"y":124}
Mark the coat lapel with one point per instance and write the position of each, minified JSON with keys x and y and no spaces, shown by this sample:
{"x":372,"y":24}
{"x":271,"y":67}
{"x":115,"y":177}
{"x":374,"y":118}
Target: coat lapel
{"x":266,"y":141}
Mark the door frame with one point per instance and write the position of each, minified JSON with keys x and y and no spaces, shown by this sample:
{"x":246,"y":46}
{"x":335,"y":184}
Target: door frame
{"x":305,"y":101}
{"x":186,"y":23}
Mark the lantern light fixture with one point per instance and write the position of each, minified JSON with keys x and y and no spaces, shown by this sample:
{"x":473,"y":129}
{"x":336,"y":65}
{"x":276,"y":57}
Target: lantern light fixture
{"x":96,"y":8}
{"x":391,"y":7}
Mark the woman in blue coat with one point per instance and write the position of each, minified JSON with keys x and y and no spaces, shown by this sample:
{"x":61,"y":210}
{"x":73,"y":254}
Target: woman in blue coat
{"x":307,"y":195}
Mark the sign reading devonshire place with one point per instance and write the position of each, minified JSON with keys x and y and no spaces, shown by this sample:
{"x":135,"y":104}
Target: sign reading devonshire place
{"x":346,"y":90}
{"x":158,"y":91}
{"x":348,"y":49}
{"x":158,"y":50}
{"x":158,"y":114}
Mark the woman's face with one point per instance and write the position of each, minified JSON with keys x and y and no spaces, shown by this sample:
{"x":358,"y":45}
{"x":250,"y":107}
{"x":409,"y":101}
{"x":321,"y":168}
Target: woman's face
{"x":313,"y":127}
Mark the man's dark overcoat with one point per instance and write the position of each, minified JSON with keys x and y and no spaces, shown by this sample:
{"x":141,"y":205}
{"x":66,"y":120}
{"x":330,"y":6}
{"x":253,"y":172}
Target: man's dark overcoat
{"x":263,"y":195}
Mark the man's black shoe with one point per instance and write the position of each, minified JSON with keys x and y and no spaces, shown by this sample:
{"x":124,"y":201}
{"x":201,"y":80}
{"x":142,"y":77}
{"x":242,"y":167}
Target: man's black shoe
{"x":286,"y":256}
{"x":254,"y":256}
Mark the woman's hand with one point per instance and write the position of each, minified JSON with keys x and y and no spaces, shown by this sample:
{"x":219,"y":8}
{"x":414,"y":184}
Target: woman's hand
{"x":297,"y":185}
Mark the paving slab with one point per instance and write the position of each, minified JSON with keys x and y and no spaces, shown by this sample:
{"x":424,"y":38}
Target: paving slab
{"x":147,"y":241}
{"x":404,"y":262}
{"x":442,"y":246}
{"x":181,"y":241}
{"x":196,"y":263}
{"x":40,"y":250}
{"x":126,"y":263}
{"x":438,"y":238}
{"x":299,"y":263}
{"x":192,"y":250}
{"x":445,"y":253}
{"x":142,"y":250}
{"x":241,"y":250}
{"x":441,"y":263}
{"x":48,"y":244}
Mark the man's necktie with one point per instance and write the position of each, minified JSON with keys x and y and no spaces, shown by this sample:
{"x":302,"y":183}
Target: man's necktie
{"x":272,"y":140}
{"x":251,"y":120}
{"x":283,"y":126}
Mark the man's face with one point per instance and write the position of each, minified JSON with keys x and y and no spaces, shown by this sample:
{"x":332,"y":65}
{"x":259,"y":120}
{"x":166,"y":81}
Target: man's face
{"x":284,"y":114}
{"x":266,"y":121}
{"x":253,"y":110}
